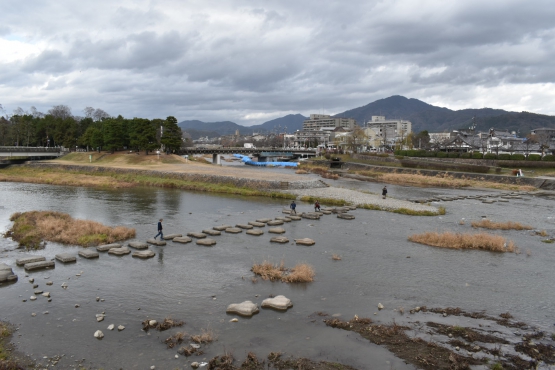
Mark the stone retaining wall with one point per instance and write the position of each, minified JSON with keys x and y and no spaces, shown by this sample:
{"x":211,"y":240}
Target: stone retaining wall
{"x":240,"y":182}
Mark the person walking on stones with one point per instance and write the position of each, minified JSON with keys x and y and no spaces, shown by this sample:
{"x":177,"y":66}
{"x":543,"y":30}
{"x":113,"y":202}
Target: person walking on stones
{"x":317,"y":206}
{"x":160,"y":230}
{"x":384,"y":192}
{"x":293,"y":206}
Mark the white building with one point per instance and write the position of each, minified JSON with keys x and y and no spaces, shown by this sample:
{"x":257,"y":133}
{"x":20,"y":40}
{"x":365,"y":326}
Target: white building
{"x":320,"y":121}
{"x":390,"y":131}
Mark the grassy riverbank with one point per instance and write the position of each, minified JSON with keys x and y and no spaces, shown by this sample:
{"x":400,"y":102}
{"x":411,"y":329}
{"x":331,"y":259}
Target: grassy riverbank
{"x":7,"y":359}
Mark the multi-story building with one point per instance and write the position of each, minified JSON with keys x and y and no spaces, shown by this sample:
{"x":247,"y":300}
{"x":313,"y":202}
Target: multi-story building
{"x":391,"y":131}
{"x":320,"y":121}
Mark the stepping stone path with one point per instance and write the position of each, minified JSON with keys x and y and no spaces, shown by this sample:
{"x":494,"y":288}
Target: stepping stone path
{"x":207,"y":242}
{"x":279,"y":239}
{"x":39,"y":265}
{"x":276,"y":230}
{"x":279,"y":302}
{"x":6,"y":273}
{"x":233,"y":230}
{"x":326,"y":212}
{"x":107,"y":247}
{"x":246,"y":308}
{"x":144,"y":254}
{"x":257,"y":224}
{"x":243,"y":226}
{"x":286,"y":211}
{"x":295,"y":218}
{"x":138,"y":245}
{"x":88,"y":253}
{"x":310,"y":216}
{"x":305,"y":241}
{"x":172,"y":236}
{"x":275,"y":222}
{"x":197,"y":235}
{"x":26,"y":260}
{"x":264,"y":220}
{"x":66,"y":257}
{"x":345,"y":216}
{"x":284,"y":219}
{"x":222,"y":228}
{"x":211,"y":232}
{"x":119,"y":251}
{"x":159,"y":243}
{"x":256,"y":232}
{"x":183,"y":239}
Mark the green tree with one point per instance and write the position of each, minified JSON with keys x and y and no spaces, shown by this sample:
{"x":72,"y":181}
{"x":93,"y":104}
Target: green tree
{"x":171,"y":137}
{"x":142,"y":134}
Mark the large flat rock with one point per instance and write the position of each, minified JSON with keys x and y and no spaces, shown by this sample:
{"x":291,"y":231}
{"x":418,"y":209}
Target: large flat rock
{"x":279,"y":302}
{"x":295,"y":218}
{"x":6,"y":273}
{"x":171,"y":236}
{"x":183,"y":239}
{"x":119,"y":251}
{"x":159,"y":243}
{"x":305,"y":241}
{"x":196,"y":235}
{"x":143,"y":254}
{"x":207,"y":242}
{"x":39,"y":265}
{"x":276,"y":230}
{"x":256,"y":232}
{"x":286,"y":211}
{"x":284,"y":219}
{"x":88,"y":253}
{"x":275,"y":222}
{"x":264,"y":220}
{"x":66,"y":257}
{"x":279,"y":239}
{"x":138,"y":245}
{"x":26,"y":260}
{"x":233,"y":230}
{"x":222,"y":227}
{"x":244,"y":226}
{"x":246,"y":308}
{"x":212,"y":232}
{"x":257,"y":224}
{"x":107,"y":247}
{"x":311,"y":216}
{"x":346,"y":216}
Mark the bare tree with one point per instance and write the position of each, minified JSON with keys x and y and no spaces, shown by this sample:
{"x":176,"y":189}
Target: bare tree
{"x":60,"y":111}
{"x":35,"y":113}
{"x":88,"y":112}
{"x":99,"y":114}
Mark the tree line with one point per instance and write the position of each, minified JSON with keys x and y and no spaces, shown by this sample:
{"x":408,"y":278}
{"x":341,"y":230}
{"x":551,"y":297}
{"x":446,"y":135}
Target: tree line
{"x":96,"y":130}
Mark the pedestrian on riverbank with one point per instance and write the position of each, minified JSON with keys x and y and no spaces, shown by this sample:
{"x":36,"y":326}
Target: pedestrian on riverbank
{"x":316,"y":206}
{"x":160,"y":230}
{"x":293,"y":206}
{"x":384,"y":192}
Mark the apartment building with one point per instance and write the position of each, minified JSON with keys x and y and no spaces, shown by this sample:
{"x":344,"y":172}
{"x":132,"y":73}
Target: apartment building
{"x":391,"y":131}
{"x":321,"y":121}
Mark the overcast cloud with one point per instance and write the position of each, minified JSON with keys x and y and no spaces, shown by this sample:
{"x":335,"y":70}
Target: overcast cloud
{"x":251,"y":61}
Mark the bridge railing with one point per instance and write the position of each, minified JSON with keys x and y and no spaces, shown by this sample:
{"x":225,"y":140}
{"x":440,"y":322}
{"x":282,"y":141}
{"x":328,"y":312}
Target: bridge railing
{"x":23,"y":149}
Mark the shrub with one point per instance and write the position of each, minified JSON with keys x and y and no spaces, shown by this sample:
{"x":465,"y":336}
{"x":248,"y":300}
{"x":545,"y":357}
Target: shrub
{"x":466,"y":155}
{"x":549,"y":158}
{"x":441,"y":155}
{"x":504,"y":157}
{"x":399,"y":157}
{"x":534,"y":157}
{"x":477,"y":155}
{"x":453,"y":155}
{"x":518,"y":157}
{"x":490,"y":156}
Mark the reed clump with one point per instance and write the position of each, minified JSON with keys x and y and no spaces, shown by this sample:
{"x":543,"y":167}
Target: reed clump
{"x":336,"y":257}
{"x":301,"y":273}
{"x":206,"y":336}
{"x":31,"y":228}
{"x":325,"y":201}
{"x":509,"y":225}
{"x":481,"y":241}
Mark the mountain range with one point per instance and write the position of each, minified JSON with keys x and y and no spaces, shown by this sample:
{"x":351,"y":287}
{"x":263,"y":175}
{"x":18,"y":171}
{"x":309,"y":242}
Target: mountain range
{"x":423,"y":116}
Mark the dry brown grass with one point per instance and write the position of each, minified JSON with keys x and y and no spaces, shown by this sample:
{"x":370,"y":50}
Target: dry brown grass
{"x":481,"y":241}
{"x":301,"y":172}
{"x":461,"y":222}
{"x":301,"y":273}
{"x":175,"y":339}
{"x":336,"y":257}
{"x":30,"y":228}
{"x":542,"y":233}
{"x":509,"y":225}
{"x":207,"y":336}
{"x":44,"y":176}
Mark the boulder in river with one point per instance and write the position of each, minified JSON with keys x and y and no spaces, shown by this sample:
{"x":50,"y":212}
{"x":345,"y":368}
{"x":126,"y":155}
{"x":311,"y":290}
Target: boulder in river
{"x":207,"y":242}
{"x":66,"y":257}
{"x":196,"y":235}
{"x":246,"y":308}
{"x":107,"y":247}
{"x":6,"y":273}
{"x":98,"y":334}
{"x":279,"y":302}
{"x":88,"y":253}
{"x":305,"y":241}
{"x":279,"y":239}
{"x":276,"y":230}
{"x":144,"y":254}
{"x":183,"y":239}
{"x":256,"y":232}
{"x":138,"y":245}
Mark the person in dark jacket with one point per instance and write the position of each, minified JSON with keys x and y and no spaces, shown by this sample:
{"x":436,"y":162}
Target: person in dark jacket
{"x":293,"y":206}
{"x":384,"y":192}
{"x":160,"y":230}
{"x":316,"y":206}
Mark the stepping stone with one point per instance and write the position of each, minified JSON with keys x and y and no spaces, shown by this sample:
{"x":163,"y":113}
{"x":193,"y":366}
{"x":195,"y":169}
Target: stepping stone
{"x":183,"y":239}
{"x":88,"y":253}
{"x":26,"y":260}
{"x":107,"y":247}
{"x":256,"y":232}
{"x":243,"y":226}
{"x":159,"y":243}
{"x":503,"y":200}
{"x":279,"y":239}
{"x":211,"y":232}
{"x":257,"y":224}
{"x":119,"y":251}
{"x":206,"y":242}
{"x":311,"y":216}
{"x":66,"y":257}
{"x":264,"y":220}
{"x":326,"y":212}
{"x":286,"y":211}
{"x":222,"y":228}
{"x":275,"y":222}
{"x":143,"y":254}
{"x":138,"y":245}
{"x":276,"y":230}
{"x":284,"y":219}
{"x":233,"y":230}
{"x":488,"y":201}
{"x":295,"y":218}
{"x":279,"y":302}
{"x":39,"y":265}
{"x":345,"y":216}
{"x":172,"y":236}
{"x":6,"y":273}
{"x":305,"y":241}
{"x":246,"y":308}
{"x":354,"y":208}
{"x":197,"y":235}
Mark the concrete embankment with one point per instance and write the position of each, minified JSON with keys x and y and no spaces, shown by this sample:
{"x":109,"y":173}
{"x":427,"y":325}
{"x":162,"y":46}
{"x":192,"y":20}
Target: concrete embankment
{"x":242,"y":182}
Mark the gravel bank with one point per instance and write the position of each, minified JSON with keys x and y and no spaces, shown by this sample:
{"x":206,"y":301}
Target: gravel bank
{"x":358,"y":198}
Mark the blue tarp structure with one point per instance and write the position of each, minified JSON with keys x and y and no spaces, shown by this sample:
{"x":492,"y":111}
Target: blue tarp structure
{"x":250,"y":162}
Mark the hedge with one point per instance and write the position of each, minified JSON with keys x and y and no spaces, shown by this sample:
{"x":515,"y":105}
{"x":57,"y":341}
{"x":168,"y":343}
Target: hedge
{"x":466,"y":155}
{"x":534,"y":157}
{"x":490,"y":156}
{"x":518,"y":157}
{"x":548,"y":157}
{"x":441,"y":155}
{"x":504,"y":157}
{"x":477,"y":155}
{"x":453,"y":155}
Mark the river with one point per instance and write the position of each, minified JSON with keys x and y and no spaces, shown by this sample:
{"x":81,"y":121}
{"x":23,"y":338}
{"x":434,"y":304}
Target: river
{"x":195,"y":284}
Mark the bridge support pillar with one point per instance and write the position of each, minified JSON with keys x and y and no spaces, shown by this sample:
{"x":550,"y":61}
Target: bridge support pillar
{"x":216,"y":159}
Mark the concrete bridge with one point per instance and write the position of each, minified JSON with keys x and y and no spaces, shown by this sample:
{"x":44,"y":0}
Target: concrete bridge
{"x":23,"y":151}
{"x":261,"y":153}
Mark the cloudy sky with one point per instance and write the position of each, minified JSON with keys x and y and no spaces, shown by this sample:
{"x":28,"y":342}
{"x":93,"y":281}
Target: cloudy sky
{"x":251,"y":61}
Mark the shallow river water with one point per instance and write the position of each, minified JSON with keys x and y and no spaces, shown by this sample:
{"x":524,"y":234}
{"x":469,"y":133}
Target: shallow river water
{"x":195,"y":284}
